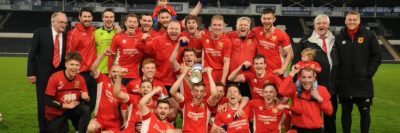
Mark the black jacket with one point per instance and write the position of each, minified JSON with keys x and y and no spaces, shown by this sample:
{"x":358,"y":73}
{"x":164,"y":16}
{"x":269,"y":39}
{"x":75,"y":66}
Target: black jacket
{"x":40,"y":58}
{"x":327,"y":77}
{"x":358,"y":61}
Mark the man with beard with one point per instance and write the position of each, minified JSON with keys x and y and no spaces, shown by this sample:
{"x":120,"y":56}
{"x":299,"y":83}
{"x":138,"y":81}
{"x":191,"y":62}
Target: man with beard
{"x":81,"y":39}
{"x":322,"y":40}
{"x":244,"y":45}
{"x":308,"y":103}
{"x":64,"y":93}
{"x":46,"y":56}
{"x":161,"y":49}
{"x":217,"y":49}
{"x":235,"y":123}
{"x":195,"y":110}
{"x":359,"y":56}
{"x":125,"y":44}
{"x":270,"y":41}
{"x":146,"y":24}
{"x":256,"y":78}
{"x":104,"y":36}
{"x":268,"y":112}
{"x":108,"y":107}
{"x":134,"y":115}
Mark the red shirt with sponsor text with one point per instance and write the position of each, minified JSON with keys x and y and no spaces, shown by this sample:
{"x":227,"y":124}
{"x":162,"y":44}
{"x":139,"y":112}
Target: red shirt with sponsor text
{"x":161,"y":49}
{"x":242,"y":50}
{"x":257,"y":83}
{"x":81,"y":39}
{"x":234,"y":125}
{"x":64,"y":91}
{"x":195,"y":117}
{"x":266,"y":119}
{"x":270,"y":46}
{"x":109,"y":105}
{"x":215,"y":51}
{"x":129,"y":56}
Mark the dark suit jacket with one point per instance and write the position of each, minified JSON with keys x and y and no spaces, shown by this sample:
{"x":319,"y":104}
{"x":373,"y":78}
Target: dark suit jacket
{"x":40,"y":58}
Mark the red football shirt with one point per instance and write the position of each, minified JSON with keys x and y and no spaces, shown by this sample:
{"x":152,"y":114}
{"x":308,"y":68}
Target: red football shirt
{"x":257,"y":84}
{"x":242,"y":50}
{"x":235,"y":125}
{"x":63,"y":91}
{"x":108,"y":104}
{"x":134,"y":115}
{"x":266,"y":119}
{"x":81,"y":39}
{"x":215,"y":51}
{"x":151,"y":124}
{"x":161,"y":49}
{"x":195,"y":117}
{"x":129,"y":56}
{"x":133,"y":86}
{"x":270,"y":46}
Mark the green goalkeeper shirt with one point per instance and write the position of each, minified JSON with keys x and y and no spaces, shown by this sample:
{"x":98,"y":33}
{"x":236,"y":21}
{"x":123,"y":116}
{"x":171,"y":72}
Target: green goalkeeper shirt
{"x":103,"y":41}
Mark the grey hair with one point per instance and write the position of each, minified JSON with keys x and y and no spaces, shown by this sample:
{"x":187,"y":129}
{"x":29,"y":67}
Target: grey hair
{"x":321,"y":16}
{"x":243,"y":18}
{"x":54,"y":15}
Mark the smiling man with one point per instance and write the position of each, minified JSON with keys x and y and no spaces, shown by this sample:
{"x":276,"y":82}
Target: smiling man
{"x":270,"y":40}
{"x":81,"y":39}
{"x":129,"y":56}
{"x":359,"y":58}
{"x":323,"y":41}
{"x":104,"y":36}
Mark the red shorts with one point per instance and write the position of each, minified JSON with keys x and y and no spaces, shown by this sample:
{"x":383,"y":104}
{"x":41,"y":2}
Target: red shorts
{"x":110,"y":125}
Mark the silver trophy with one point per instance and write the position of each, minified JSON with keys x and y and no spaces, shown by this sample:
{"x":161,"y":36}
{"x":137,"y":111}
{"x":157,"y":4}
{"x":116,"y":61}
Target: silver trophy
{"x":196,"y":74}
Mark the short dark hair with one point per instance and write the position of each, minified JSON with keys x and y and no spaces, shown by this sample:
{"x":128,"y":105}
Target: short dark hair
{"x":160,"y":101}
{"x":145,"y":14}
{"x":260,"y":56}
{"x":164,"y":11}
{"x":131,"y":15}
{"x":192,"y":17}
{"x":108,"y":10}
{"x":270,"y":84}
{"x":74,"y":55}
{"x":85,"y":9}
{"x":268,"y":11}
{"x":220,"y":84}
{"x":235,"y":86}
{"x":147,"y":80}
{"x":189,"y":49}
{"x":199,"y":84}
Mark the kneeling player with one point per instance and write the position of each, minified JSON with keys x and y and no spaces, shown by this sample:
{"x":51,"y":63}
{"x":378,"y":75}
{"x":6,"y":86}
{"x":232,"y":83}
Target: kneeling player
{"x":63,"y":97}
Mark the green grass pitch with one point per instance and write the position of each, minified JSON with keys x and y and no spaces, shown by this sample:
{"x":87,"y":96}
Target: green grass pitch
{"x":18,"y":99}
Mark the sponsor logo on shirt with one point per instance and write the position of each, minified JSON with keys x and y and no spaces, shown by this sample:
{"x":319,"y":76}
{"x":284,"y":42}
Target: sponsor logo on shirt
{"x":267,"y":119}
{"x":130,"y":52}
{"x":213,"y":52}
{"x":110,"y":96}
{"x":60,"y":85}
{"x":195,"y":116}
{"x":267,"y":44}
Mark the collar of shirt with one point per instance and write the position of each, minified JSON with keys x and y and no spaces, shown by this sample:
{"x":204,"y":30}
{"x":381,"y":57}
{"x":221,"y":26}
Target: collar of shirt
{"x":352,"y":33}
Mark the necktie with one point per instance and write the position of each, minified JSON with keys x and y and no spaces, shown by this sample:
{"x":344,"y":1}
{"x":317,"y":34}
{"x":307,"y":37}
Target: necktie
{"x":324,"y":46}
{"x":56,"y":56}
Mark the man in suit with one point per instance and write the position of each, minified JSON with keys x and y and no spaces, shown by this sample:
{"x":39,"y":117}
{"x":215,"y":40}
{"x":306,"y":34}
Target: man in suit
{"x":46,"y":57}
{"x":323,"y":41}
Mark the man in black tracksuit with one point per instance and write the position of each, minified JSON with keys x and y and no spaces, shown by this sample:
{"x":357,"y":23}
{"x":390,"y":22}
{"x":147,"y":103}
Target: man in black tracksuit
{"x":327,"y":60}
{"x":359,"y":58}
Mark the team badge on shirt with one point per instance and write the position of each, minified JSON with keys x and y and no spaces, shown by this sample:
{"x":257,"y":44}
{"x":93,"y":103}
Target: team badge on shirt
{"x":273,"y":38}
{"x":124,"y":41}
{"x":60,"y":85}
{"x":249,"y":42}
{"x":255,"y":81}
{"x":229,"y":116}
{"x":207,"y":41}
{"x":360,"y":40}
{"x":220,"y":44}
{"x":77,"y":84}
